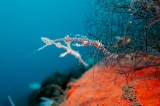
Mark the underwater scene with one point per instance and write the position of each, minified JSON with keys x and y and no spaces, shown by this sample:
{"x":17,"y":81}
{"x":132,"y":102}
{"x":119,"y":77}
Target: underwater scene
{"x":79,"y":52}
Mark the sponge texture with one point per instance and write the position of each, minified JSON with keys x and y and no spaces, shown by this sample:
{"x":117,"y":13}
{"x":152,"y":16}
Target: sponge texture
{"x":103,"y":86}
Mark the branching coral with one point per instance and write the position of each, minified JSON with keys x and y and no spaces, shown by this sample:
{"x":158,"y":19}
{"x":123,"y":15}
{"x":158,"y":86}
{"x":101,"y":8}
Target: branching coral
{"x":150,"y":7}
{"x":134,"y":23}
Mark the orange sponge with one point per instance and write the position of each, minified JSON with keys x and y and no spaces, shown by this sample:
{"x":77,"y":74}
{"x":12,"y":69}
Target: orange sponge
{"x":148,"y":92}
{"x":103,"y":86}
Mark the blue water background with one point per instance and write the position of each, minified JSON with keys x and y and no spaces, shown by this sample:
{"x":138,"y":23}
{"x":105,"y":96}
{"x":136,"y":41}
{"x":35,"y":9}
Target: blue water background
{"x":22,"y":24}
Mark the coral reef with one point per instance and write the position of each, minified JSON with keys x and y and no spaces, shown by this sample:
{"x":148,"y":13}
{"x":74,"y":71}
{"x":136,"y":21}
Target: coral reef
{"x":128,"y":31}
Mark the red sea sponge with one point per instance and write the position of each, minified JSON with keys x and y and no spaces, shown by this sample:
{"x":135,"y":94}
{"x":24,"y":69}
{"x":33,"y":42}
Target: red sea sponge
{"x":147,"y":92}
{"x":104,"y":86}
